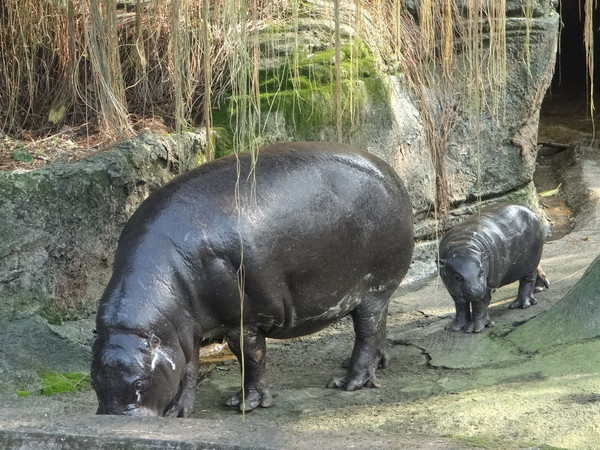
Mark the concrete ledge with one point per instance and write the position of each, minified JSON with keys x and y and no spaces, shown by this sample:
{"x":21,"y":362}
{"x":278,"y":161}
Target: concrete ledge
{"x":110,"y":432}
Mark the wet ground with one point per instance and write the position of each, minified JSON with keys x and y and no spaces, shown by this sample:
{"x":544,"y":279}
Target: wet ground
{"x":441,"y":390}
{"x":564,"y":120}
{"x":547,"y":179}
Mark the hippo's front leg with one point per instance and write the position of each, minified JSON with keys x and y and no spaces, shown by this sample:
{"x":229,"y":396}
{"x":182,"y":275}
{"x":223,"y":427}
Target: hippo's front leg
{"x":479,"y":314}
{"x":255,"y":386}
{"x":370,"y":347}
{"x":463,"y":315}
{"x":183,"y":403}
{"x":525,"y":297}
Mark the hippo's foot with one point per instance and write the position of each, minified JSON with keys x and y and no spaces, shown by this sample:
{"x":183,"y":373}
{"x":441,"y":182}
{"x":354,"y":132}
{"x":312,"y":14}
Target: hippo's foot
{"x":183,"y":406}
{"x":359,"y":378}
{"x":254,"y":398}
{"x":477,"y":325}
{"x":456,"y":325}
{"x":353,"y":384}
{"x":523,"y":303}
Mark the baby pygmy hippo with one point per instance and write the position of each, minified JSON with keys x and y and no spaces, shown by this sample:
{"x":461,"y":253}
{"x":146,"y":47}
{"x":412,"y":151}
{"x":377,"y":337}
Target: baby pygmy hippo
{"x":495,"y":247}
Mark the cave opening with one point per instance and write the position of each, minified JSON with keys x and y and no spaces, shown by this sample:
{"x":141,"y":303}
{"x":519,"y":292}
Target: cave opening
{"x":565,"y":115}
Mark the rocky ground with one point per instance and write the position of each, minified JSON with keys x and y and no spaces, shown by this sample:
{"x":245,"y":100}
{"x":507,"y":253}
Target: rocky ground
{"x":441,"y":390}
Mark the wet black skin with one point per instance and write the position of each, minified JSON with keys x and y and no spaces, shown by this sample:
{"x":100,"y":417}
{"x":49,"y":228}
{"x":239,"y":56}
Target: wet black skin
{"x":327,"y":232}
{"x":498,"y":246}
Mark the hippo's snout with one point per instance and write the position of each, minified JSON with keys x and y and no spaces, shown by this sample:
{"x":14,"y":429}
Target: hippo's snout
{"x":141,"y":412}
{"x":468,"y":293}
{"x":130,"y":410}
{"x":466,"y":287}
{"x":474,"y":290}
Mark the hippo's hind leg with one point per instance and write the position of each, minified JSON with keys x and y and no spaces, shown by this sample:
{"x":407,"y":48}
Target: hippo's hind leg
{"x":370,"y":346}
{"x":525,"y":297}
{"x":541,"y":281}
{"x":255,"y":385}
{"x":183,"y":403}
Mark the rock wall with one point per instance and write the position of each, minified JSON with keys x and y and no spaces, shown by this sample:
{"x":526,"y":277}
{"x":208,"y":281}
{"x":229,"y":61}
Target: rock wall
{"x":60,"y":225}
{"x":489,"y":157}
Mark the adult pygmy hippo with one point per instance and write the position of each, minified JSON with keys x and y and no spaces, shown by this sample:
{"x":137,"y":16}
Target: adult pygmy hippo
{"x":501,"y":244}
{"x":326,"y":231}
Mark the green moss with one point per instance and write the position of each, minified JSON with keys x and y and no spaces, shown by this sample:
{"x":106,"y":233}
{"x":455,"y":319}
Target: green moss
{"x":497,"y":443}
{"x":130,"y":159}
{"x":302,"y":91}
{"x":223,"y":143}
{"x":55,"y":383}
{"x":58,"y":383}
{"x":574,"y":319}
{"x":52,"y":315}
{"x":21,"y":155}
{"x":57,"y":314}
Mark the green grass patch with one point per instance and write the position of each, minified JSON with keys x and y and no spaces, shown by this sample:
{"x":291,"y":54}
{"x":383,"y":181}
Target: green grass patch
{"x":58,"y":383}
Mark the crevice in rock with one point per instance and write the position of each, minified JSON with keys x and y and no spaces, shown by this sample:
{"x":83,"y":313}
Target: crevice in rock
{"x":406,"y":343}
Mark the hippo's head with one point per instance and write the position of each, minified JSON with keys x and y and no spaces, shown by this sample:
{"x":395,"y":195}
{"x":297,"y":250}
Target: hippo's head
{"x":465,"y":274}
{"x":135,"y":375}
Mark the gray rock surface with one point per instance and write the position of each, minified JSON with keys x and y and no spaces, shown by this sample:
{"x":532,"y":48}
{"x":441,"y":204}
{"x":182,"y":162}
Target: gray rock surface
{"x":60,"y":224}
{"x":489,"y":156}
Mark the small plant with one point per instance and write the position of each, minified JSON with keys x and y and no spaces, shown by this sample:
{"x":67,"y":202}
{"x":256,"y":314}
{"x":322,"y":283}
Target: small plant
{"x":22,"y":155}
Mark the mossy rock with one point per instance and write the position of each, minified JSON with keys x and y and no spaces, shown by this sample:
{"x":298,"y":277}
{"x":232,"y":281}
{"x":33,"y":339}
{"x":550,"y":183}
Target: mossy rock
{"x":575,"y":318}
{"x":298,"y":96}
{"x":60,"y":223}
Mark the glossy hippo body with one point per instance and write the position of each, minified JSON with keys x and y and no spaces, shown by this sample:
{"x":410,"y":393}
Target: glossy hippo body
{"x":499,"y":245}
{"x":327,"y":231}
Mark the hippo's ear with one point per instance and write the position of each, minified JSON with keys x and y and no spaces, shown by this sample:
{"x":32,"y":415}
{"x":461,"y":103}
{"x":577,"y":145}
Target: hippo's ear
{"x":440,"y":262}
{"x":153,"y":342}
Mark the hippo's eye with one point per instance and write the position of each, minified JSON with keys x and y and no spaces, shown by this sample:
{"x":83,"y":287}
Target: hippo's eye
{"x":138,"y":385}
{"x":458,"y":277}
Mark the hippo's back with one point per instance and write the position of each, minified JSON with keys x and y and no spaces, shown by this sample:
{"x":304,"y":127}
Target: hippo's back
{"x":316,"y":226}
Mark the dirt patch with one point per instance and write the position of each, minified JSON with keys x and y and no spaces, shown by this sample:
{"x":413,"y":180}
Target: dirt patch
{"x":71,"y":143}
{"x":551,"y":196}
{"x":565,"y":118}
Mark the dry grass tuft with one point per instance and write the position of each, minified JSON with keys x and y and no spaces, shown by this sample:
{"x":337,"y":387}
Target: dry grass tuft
{"x":94,"y":62}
